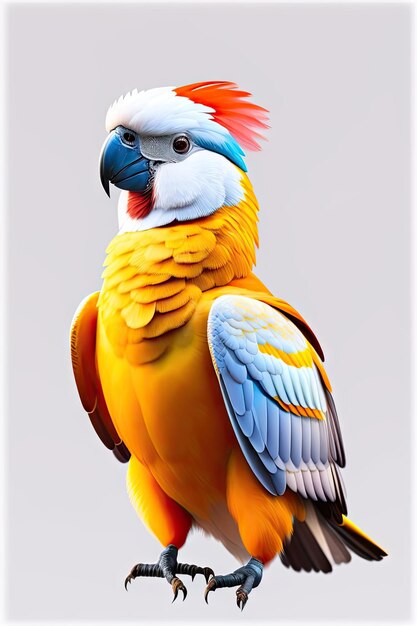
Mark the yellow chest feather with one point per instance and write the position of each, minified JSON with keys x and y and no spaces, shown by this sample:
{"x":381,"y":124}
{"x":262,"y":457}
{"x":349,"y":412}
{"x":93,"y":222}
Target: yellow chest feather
{"x":154,"y":279}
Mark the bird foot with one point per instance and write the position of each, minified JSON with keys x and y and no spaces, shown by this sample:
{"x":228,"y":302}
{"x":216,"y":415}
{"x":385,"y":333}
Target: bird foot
{"x":248,"y":577}
{"x":168,"y":567}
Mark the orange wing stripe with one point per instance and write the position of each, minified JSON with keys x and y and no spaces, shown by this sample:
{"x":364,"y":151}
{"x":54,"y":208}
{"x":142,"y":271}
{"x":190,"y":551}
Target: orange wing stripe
{"x":297,"y":359}
{"x":300,"y":410}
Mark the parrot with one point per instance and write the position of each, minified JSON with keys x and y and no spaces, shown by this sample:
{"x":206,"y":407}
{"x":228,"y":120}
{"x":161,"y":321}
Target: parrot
{"x":192,"y":372}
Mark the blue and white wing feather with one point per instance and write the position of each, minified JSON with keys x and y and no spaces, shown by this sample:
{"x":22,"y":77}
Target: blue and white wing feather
{"x":282,"y":413}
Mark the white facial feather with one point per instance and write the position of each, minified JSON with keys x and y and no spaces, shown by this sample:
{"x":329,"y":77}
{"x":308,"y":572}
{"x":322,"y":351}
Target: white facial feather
{"x":190,"y":189}
{"x":196,"y":185}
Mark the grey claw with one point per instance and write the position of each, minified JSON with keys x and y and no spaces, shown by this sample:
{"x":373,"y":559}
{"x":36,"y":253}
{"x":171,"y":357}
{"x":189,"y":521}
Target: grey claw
{"x":210,"y":587}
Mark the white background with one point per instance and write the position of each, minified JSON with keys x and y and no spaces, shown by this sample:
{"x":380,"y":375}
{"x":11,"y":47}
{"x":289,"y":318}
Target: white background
{"x":333,"y":182}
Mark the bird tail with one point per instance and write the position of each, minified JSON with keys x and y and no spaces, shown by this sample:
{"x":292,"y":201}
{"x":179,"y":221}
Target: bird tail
{"x":357,"y":541}
{"x":317,"y":543}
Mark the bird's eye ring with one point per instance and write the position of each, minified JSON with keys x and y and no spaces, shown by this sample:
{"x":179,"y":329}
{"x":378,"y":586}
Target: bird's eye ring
{"x":128,"y":137}
{"x":181,"y":144}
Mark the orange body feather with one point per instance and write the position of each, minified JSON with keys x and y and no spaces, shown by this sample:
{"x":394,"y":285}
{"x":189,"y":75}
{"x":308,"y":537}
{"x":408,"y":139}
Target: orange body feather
{"x":160,"y":384}
{"x":158,"y":358}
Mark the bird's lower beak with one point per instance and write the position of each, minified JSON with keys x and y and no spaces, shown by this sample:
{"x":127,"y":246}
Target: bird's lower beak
{"x":122,"y":165}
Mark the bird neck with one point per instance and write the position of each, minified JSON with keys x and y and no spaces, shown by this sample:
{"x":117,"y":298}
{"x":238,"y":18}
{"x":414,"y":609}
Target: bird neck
{"x":154,"y":279}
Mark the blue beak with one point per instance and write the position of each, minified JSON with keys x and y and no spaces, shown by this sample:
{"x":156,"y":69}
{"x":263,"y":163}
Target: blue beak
{"x":122,"y":163}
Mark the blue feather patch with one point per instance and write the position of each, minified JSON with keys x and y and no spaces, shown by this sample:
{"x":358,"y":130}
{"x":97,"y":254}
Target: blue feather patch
{"x":224,"y":144}
{"x":284,"y":450}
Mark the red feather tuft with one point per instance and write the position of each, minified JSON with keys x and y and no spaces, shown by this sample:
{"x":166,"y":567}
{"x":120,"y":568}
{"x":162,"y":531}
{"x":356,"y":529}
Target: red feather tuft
{"x":241,"y":118}
{"x":139,"y":204}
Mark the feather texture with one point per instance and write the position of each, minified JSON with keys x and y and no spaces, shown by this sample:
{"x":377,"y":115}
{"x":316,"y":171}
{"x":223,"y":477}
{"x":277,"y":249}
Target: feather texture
{"x":274,"y":394}
{"x":215,"y":114}
{"x":230,"y":109}
{"x":154,"y":279}
{"x":202,"y":453}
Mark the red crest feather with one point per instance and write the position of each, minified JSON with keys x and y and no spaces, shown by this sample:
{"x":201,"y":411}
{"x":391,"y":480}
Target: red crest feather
{"x":241,"y":118}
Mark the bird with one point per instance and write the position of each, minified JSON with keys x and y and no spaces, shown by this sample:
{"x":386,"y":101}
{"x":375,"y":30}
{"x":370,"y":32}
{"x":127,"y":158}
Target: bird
{"x":192,"y":372}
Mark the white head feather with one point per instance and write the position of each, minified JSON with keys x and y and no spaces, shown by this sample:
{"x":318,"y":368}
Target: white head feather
{"x":207,"y":178}
{"x":160,"y":111}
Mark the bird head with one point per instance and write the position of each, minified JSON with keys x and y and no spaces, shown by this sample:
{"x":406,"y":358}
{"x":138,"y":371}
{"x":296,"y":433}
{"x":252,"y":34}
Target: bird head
{"x":177,"y":152}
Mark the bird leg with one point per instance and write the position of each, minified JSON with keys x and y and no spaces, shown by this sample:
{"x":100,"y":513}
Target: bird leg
{"x":167,"y":567}
{"x":248,"y":577}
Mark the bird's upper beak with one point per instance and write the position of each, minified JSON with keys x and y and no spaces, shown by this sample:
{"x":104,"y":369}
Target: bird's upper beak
{"x":122,"y":163}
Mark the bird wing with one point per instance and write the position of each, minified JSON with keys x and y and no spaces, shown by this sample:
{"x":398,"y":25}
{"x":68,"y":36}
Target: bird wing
{"x":83,"y":356}
{"x":278,"y":399}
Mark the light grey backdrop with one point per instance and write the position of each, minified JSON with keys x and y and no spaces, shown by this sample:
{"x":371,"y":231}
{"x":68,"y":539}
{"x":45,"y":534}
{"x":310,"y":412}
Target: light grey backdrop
{"x":333,"y":185}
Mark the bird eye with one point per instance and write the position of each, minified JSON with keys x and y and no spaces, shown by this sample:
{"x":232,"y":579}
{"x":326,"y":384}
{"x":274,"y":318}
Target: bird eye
{"x":129,"y":138}
{"x":181,"y":144}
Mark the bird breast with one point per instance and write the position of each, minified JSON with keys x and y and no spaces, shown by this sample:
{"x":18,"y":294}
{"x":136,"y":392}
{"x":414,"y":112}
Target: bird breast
{"x":154,"y":279}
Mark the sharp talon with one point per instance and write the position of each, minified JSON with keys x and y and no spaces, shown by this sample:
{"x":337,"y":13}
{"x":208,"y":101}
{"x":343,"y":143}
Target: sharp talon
{"x":245,"y":578}
{"x":178,"y":585}
{"x":241,"y":599}
{"x":132,"y":575}
{"x":208,"y":573}
{"x":210,"y":587}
